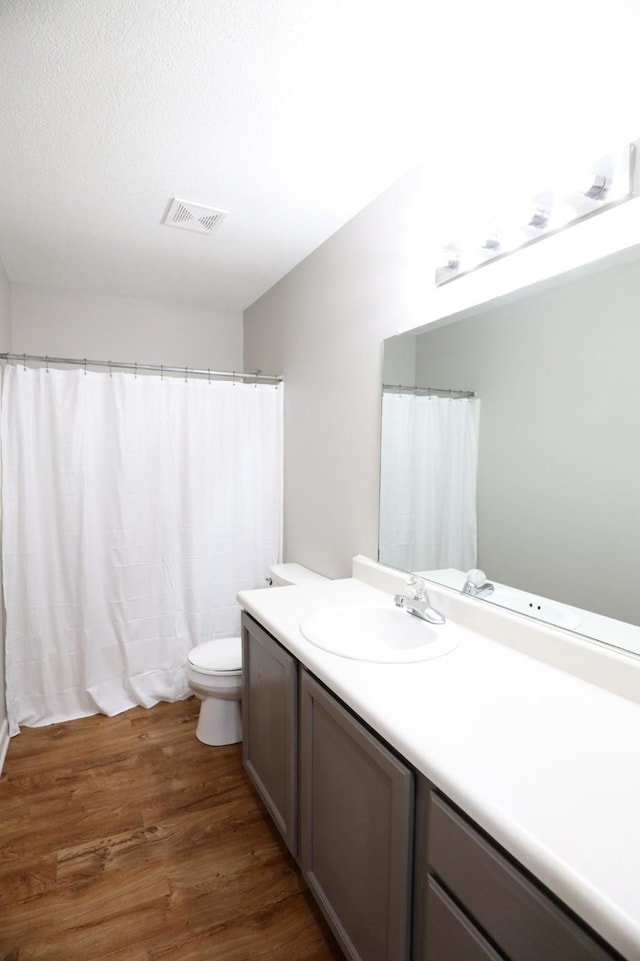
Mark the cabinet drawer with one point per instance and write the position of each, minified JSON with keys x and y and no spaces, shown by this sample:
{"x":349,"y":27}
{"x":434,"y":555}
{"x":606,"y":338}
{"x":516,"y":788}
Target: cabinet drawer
{"x":450,"y":934}
{"x":515,"y":914}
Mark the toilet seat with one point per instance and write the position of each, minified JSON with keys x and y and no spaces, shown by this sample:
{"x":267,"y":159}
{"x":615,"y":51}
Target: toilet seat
{"x":222,"y":656}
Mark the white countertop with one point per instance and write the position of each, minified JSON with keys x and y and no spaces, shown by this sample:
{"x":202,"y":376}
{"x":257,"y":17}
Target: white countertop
{"x":545,"y":761}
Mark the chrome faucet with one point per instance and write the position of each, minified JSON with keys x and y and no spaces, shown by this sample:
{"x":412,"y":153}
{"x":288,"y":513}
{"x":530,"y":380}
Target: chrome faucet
{"x":417,"y":602}
{"x":477,"y":585}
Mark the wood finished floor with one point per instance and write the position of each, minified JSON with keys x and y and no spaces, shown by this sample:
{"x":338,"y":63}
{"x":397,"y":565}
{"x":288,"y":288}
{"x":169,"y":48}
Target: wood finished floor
{"x":125,"y":839}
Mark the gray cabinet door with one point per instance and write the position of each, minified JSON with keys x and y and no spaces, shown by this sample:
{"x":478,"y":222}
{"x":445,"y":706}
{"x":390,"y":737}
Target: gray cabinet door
{"x":270,"y":726}
{"x":356,"y":829}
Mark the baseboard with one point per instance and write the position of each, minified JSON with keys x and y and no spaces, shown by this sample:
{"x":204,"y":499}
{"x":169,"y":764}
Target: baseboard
{"x":4,"y":741}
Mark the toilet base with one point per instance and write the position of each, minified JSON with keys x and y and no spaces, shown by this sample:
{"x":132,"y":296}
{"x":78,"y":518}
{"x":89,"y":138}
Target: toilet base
{"x":220,"y":721}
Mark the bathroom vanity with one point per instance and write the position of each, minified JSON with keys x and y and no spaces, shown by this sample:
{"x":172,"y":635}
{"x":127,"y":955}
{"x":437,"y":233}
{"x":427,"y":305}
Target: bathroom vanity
{"x":310,"y":758}
{"x":461,"y":808}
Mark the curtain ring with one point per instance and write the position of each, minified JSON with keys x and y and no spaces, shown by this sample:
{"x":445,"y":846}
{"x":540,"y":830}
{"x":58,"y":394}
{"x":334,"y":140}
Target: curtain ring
{"x":46,"y":363}
{"x":185,"y":375}
{"x":24,"y":361}
{"x":209,"y":373}
{"x":258,"y":372}
{"x":85,"y":366}
{"x":110,"y":371}
{"x":234,"y":378}
{"x":135,"y":370}
{"x":161,"y":372}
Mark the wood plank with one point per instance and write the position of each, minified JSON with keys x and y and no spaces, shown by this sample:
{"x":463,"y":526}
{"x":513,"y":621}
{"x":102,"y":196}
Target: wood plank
{"x":23,"y":880}
{"x":126,"y":839}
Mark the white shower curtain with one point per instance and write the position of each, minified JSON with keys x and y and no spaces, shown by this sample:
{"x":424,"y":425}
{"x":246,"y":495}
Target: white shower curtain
{"x":428,"y":482}
{"x":134,"y":509}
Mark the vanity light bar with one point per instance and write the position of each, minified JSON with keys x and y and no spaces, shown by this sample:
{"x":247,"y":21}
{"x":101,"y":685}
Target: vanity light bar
{"x":607,"y":183}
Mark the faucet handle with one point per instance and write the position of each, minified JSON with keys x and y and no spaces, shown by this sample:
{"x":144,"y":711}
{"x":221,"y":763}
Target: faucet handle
{"x":476,"y":577}
{"x":417,"y":587}
{"x":476,"y":584}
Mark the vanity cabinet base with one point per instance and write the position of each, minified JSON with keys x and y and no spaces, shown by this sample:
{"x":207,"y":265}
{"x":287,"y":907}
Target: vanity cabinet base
{"x":480,"y":904}
{"x":398,"y":870}
{"x":356,"y":828}
{"x":270,"y":726}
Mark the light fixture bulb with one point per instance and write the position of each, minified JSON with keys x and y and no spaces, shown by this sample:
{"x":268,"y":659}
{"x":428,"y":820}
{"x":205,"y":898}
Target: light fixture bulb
{"x":594,"y":186}
{"x":538,"y":218}
{"x":449,"y":259}
{"x":490,"y":244}
{"x":587,"y":182}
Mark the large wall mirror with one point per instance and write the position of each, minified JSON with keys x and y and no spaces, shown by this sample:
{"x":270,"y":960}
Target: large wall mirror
{"x":551,"y":375}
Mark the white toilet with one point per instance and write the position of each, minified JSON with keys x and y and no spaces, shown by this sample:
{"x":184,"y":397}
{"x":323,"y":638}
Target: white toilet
{"x":214,"y":674}
{"x":214,"y":671}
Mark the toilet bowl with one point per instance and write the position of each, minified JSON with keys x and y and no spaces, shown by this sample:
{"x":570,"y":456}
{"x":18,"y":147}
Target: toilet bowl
{"x":214,"y":674}
{"x":214,"y":671}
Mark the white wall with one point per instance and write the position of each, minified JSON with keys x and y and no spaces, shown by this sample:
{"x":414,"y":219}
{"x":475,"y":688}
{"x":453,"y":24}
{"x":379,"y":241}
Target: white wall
{"x":5,"y":310}
{"x":71,"y":323}
{"x":322,"y":327}
{"x":5,"y":345}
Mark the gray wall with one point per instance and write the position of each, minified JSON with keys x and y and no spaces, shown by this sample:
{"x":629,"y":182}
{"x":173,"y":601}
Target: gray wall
{"x":71,"y":323}
{"x":399,"y":360}
{"x":322,"y":327}
{"x":559,"y":455}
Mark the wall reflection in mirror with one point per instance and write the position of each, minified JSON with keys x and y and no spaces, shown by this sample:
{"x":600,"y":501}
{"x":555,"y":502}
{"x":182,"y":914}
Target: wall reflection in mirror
{"x":536,"y":477}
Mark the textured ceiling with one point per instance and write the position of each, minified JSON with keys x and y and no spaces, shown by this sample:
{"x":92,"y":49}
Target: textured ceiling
{"x":290,"y":114}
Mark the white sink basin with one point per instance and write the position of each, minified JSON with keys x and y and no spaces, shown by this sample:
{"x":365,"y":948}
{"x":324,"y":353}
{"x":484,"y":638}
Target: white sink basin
{"x":382,"y":633}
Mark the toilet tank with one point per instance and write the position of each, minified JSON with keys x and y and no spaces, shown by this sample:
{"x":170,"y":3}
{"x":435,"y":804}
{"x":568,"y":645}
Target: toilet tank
{"x":282,"y":574}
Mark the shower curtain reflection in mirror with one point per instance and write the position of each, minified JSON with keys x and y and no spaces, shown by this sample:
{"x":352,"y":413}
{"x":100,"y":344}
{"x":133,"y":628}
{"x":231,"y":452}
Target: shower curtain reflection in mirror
{"x":134,"y":509}
{"x":428,"y":473}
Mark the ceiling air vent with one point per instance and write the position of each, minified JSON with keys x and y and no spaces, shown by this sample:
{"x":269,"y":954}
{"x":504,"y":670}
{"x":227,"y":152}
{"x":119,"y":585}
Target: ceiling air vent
{"x":182,"y":213}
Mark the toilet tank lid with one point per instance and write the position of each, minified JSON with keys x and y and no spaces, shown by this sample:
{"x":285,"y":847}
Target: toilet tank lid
{"x":295,"y":574}
{"x":220,"y":656}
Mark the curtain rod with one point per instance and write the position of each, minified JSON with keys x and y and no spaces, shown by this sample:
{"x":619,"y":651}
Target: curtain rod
{"x":160,"y":368}
{"x":447,"y":391}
